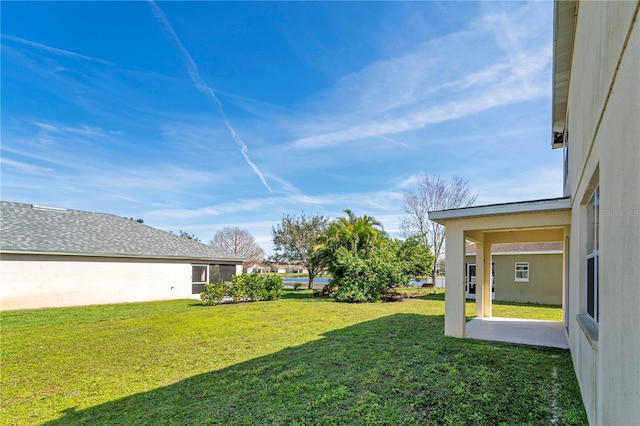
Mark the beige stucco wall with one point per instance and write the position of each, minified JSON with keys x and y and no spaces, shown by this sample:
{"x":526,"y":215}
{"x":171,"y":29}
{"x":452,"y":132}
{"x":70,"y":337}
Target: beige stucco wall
{"x":545,"y":278}
{"x":604,"y":149}
{"x":33,"y":281}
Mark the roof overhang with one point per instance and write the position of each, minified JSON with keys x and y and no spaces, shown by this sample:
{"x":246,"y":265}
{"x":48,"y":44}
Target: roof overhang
{"x":546,"y":205}
{"x":564,"y":20}
{"x":122,"y":256}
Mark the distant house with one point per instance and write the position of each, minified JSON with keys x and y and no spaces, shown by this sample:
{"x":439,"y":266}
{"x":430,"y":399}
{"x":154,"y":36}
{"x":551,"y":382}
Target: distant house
{"x":296,"y":269}
{"x":288,"y":269}
{"x":52,"y":257}
{"x":259,"y":268}
{"x":522,"y":272}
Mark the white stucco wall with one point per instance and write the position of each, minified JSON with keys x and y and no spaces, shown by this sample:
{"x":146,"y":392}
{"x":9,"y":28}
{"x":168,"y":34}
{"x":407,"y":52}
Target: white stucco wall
{"x":604,"y":149}
{"x":32,"y":281}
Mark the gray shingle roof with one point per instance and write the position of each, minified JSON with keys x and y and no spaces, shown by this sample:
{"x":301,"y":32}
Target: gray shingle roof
{"x":29,"y":229}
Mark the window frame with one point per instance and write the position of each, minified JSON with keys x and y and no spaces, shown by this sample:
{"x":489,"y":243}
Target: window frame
{"x":592,"y":256}
{"x":206,"y":273}
{"x":527,"y":270}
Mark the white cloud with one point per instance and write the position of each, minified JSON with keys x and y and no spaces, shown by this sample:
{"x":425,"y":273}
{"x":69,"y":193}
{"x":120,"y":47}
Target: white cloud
{"x":21,"y":167}
{"x":448,"y":78}
{"x":536,"y":183}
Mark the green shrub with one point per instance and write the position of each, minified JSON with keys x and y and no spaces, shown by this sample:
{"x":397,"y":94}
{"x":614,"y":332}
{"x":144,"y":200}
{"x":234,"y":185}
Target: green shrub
{"x":244,"y":287}
{"x":237,"y":288}
{"x":274,"y":287}
{"x":296,"y":286}
{"x":213,"y":293}
{"x":255,"y":285}
{"x":365,"y":280}
{"x":351,"y":294}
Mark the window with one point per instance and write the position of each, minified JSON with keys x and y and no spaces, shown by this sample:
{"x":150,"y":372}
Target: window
{"x":198,"y":273}
{"x":198,"y":278}
{"x":221,"y":272}
{"x":593,"y":254}
{"x":522,"y":271}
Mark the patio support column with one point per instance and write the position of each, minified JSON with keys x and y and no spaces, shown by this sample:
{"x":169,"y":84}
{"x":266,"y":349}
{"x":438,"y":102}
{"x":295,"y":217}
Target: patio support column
{"x":487,"y":270}
{"x":480,"y":265}
{"x":454,"y":316}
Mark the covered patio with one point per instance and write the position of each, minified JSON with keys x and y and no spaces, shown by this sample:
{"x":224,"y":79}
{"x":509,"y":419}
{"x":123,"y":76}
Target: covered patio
{"x":549,"y":334}
{"x":530,"y":221}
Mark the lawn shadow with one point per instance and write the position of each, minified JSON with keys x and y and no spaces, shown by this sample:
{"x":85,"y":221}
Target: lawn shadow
{"x":398,"y":369}
{"x":432,"y":296}
{"x":298,"y":294}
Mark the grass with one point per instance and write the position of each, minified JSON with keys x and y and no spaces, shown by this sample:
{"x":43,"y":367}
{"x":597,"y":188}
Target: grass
{"x":299,"y":360}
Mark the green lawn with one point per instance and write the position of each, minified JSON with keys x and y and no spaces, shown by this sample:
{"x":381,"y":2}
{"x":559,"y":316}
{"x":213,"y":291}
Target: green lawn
{"x":299,"y":360}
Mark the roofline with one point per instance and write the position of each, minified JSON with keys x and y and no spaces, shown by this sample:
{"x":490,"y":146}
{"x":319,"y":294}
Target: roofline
{"x":544,"y":205}
{"x":564,"y":21}
{"x":119,"y":255}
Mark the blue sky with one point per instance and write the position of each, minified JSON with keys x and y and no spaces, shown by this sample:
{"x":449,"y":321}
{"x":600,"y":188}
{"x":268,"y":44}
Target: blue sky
{"x":196,"y":116}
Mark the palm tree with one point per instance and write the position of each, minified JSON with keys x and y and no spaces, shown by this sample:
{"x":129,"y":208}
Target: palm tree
{"x":360,"y":235}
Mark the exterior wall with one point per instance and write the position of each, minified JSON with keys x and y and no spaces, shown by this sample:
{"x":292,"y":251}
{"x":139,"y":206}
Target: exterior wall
{"x":545,"y":278}
{"x":604,"y":150}
{"x":35,"y":281}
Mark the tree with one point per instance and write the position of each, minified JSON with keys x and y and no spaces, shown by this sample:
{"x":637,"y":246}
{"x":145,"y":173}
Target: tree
{"x":295,"y":240}
{"x":362,"y":259}
{"x":188,"y":236}
{"x":434,"y":193}
{"x":366,"y":278}
{"x":415,"y":257}
{"x":239,"y":242}
{"x":354,"y":233}
{"x":135,"y":220}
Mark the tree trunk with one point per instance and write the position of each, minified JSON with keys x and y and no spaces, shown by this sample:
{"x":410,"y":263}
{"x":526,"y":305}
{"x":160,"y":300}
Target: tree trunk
{"x":311,"y":277}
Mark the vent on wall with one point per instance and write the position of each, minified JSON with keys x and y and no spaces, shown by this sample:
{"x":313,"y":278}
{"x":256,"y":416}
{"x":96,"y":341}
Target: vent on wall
{"x":558,"y":140}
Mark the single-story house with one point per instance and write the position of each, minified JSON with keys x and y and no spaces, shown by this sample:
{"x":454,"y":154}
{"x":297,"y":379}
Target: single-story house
{"x":288,"y":269}
{"x":521,"y":272}
{"x":259,"y":268}
{"x":595,"y":122}
{"x":51,"y":257}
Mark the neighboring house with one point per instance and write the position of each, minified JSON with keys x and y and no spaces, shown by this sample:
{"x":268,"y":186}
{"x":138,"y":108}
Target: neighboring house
{"x":296,"y":269}
{"x":288,"y":269}
{"x":522,"y":272}
{"x":596,"y":122}
{"x":256,"y":267}
{"x":53,"y":257}
{"x":278,"y":269}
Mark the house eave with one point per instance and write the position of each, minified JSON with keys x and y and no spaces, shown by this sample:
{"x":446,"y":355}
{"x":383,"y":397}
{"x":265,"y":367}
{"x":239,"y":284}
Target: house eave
{"x":546,"y":205}
{"x":122,"y":256}
{"x":564,"y":16}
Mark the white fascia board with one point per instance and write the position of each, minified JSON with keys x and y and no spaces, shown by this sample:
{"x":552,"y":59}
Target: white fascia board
{"x":502,"y":209}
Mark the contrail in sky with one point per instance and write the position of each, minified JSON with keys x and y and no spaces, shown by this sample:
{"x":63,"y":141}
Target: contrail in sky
{"x":201,"y":85}
{"x":56,"y":50}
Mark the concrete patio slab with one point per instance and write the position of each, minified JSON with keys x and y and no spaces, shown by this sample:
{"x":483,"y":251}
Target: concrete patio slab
{"x":549,"y":334}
